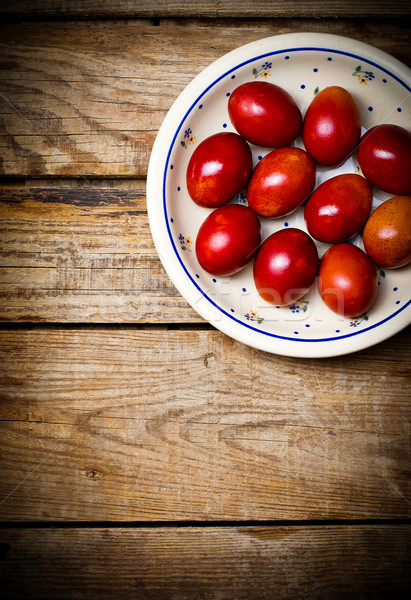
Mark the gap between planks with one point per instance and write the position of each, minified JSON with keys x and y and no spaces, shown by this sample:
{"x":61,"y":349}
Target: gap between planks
{"x":99,"y":183}
{"x":256,"y":10}
{"x":49,"y":326}
{"x":203,"y":524}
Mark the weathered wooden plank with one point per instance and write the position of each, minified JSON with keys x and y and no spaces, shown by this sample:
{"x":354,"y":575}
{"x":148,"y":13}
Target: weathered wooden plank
{"x":129,"y":424}
{"x":244,"y":563}
{"x":87,"y":99}
{"x":204,"y":8}
{"x":83,"y":255}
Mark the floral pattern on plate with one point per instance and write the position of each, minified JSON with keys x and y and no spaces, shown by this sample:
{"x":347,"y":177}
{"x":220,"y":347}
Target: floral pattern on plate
{"x":189,"y":138}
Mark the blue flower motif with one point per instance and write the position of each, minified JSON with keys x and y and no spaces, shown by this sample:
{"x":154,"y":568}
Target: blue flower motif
{"x":302,"y":305}
{"x":189,"y":138}
{"x":263,"y":71}
{"x":363,"y":76}
{"x":356,"y":322}
{"x":253,"y":316}
{"x":185,"y":242}
{"x":242,"y":199}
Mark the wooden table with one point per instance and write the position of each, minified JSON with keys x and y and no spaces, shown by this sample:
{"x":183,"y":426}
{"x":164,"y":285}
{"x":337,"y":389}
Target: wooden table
{"x":144,"y":454}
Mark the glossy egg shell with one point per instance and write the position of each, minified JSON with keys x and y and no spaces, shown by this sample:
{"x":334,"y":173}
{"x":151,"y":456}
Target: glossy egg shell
{"x":281,"y":181}
{"x":285,"y":266}
{"x":265,"y":114}
{"x":384,"y":155}
{"x":219,"y":169}
{"x":338,"y":208}
{"x":228,"y":239}
{"x":347,"y":280}
{"x":387,"y":233}
{"x":332,"y":126}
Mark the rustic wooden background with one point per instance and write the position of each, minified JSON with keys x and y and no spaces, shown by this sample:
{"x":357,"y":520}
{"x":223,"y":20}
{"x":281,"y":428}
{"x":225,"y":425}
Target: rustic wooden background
{"x":144,"y":454}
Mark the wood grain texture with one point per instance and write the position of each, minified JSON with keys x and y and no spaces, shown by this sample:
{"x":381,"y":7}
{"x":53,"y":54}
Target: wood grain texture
{"x":83,"y":255}
{"x":204,"y":8}
{"x":124,"y":424}
{"x":87,"y":99}
{"x":247,"y":563}
{"x":141,"y":422}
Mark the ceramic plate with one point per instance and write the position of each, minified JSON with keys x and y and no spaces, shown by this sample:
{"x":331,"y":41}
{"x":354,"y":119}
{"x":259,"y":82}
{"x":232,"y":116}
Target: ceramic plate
{"x":302,"y":64}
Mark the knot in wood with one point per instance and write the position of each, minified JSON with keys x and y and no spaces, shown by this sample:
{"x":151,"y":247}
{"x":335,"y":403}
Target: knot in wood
{"x":209,"y":359}
{"x":92,"y":474}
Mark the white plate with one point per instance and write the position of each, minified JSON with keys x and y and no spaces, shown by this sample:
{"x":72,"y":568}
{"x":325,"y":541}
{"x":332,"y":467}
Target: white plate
{"x":300,"y":63}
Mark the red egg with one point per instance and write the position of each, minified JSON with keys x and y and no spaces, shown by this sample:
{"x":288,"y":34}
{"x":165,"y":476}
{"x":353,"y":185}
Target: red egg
{"x":219,"y":169}
{"x":384,"y":156}
{"x":347,"y":280}
{"x":228,"y":239}
{"x":265,"y":114}
{"x":338,"y":208}
{"x":285,"y":266}
{"x":281,"y":181}
{"x":332,"y":126}
{"x":387,"y":233}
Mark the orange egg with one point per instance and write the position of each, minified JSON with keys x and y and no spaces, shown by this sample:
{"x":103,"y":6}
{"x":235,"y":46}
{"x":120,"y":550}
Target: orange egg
{"x":387,"y":233}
